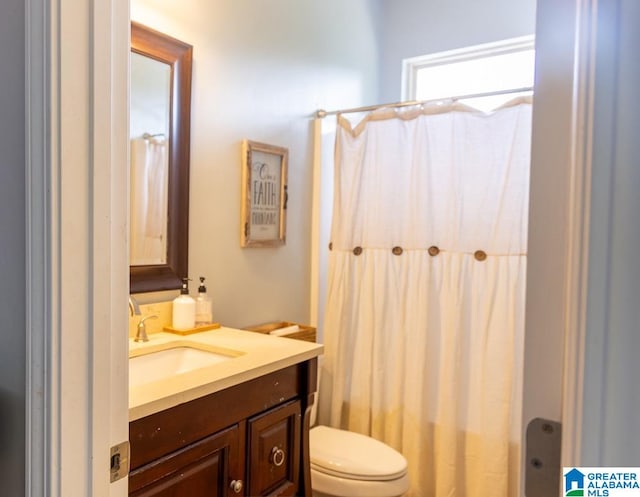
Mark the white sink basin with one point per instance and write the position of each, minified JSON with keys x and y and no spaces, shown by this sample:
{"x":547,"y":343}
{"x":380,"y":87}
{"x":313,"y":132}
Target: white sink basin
{"x":153,"y":365}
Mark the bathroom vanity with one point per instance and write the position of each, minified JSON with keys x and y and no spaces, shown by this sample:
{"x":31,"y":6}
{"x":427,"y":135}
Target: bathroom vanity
{"x":236,"y":427}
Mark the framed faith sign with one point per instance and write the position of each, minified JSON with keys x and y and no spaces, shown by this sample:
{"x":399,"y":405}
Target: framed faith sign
{"x":264,"y":195}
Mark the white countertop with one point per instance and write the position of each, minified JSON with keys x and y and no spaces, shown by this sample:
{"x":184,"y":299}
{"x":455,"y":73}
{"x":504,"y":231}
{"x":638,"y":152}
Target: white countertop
{"x":261,"y":354}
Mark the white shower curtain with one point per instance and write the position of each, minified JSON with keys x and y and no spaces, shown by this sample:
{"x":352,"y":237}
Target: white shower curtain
{"x":149,"y":186}
{"x":425,"y":309}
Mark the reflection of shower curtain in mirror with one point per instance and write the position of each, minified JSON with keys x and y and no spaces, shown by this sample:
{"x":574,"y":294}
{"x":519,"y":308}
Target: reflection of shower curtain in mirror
{"x":148,"y":218}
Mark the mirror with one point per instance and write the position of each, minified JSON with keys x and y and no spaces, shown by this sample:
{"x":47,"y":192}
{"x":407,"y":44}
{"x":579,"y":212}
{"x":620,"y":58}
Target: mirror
{"x":160,"y":110}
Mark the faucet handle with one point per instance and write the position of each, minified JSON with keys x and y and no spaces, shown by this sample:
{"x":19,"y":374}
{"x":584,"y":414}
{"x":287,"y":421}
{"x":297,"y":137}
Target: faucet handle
{"x":141,"y":335}
{"x":151,"y":316}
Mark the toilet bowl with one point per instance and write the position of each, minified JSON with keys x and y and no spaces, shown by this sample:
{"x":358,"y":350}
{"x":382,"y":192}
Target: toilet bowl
{"x":347,"y":464}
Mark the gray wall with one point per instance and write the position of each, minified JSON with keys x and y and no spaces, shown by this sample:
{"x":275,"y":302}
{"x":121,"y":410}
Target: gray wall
{"x":612,"y":396}
{"x":417,"y":27}
{"x":12,"y":249}
{"x":261,"y":69}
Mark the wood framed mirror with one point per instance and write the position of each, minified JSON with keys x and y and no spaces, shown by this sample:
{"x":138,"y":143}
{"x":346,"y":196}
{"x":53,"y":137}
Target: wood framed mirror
{"x":160,"y":116}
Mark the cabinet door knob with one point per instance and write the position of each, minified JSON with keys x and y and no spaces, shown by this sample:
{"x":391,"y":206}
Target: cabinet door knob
{"x":277,"y":456}
{"x":236,"y":486}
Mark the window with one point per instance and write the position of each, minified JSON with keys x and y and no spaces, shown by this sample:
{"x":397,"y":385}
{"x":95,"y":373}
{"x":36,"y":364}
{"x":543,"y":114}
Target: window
{"x":493,"y":67}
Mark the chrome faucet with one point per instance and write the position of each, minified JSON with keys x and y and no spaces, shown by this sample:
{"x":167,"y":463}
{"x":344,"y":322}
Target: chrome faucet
{"x":134,"y":307}
{"x":141,"y":334}
{"x":134,"y":310}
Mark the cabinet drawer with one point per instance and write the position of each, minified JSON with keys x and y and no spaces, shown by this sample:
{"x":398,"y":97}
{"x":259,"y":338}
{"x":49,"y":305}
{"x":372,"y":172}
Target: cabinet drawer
{"x":274,"y":451}
{"x":206,"y":467}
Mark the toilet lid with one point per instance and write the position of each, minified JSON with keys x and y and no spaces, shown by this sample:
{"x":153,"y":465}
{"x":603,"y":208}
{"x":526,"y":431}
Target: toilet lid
{"x":355,"y":456}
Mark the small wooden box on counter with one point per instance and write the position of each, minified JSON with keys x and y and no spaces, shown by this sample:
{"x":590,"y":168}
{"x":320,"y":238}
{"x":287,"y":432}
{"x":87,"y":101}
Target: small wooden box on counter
{"x":306,"y":333}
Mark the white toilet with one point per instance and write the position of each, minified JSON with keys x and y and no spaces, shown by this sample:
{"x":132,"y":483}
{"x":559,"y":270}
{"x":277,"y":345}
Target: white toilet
{"x":347,"y":464}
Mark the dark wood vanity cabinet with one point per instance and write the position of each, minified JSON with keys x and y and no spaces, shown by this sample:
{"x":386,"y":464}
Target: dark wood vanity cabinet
{"x":274,"y":451}
{"x":248,"y":440}
{"x":201,"y":468}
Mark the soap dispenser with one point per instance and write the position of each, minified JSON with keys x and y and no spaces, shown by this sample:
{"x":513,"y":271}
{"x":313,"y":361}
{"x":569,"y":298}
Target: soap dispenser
{"x":203,"y":305}
{"x":184,"y":308}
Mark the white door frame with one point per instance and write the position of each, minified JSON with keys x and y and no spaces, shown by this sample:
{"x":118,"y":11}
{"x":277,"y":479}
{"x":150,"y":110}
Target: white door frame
{"x":559,"y":220}
{"x":579,"y":217}
{"x":77,"y":154}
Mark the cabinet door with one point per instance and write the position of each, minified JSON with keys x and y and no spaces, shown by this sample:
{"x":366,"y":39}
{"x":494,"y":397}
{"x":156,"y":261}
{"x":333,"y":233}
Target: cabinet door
{"x":274,"y":451}
{"x":211,"y":467}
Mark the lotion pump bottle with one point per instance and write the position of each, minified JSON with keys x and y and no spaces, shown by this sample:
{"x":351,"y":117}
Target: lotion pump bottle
{"x":184,"y":308}
{"x":203,"y":305}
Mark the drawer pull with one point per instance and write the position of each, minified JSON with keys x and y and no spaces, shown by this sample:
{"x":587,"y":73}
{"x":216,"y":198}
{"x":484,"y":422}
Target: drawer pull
{"x":277,"y":456}
{"x":236,"y":486}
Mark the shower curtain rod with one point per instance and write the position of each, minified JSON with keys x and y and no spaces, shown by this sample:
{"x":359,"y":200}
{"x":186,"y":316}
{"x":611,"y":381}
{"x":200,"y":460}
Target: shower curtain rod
{"x":320,"y":113}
